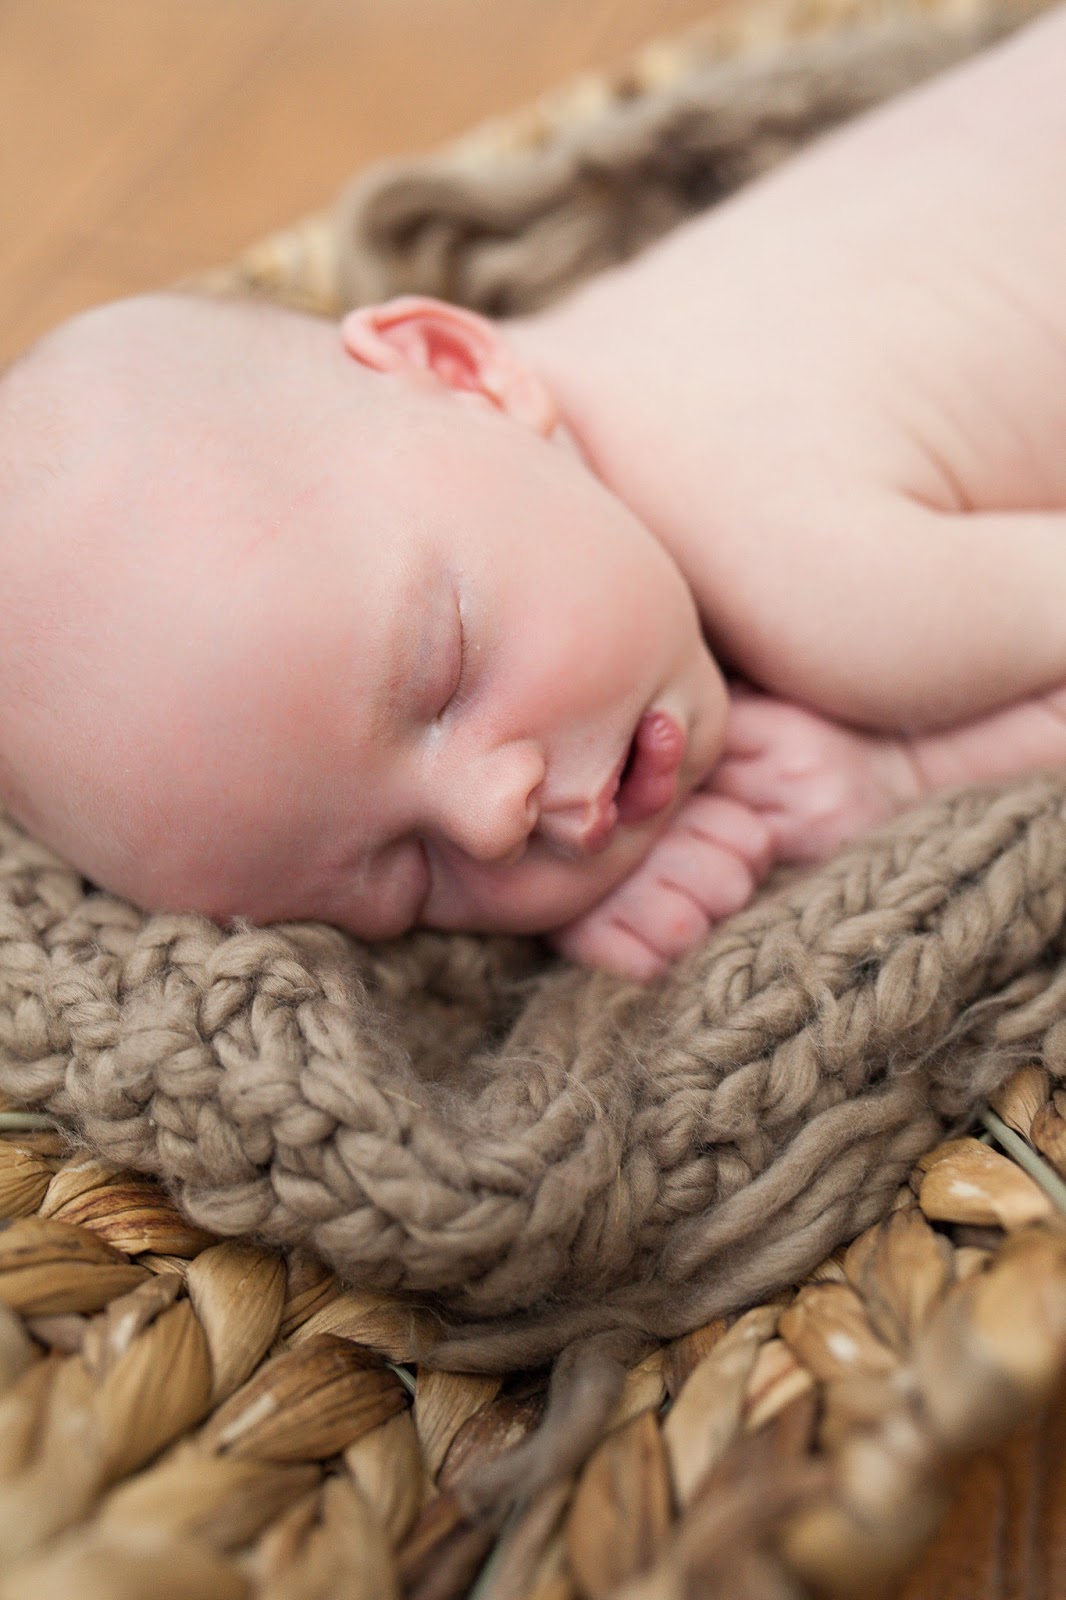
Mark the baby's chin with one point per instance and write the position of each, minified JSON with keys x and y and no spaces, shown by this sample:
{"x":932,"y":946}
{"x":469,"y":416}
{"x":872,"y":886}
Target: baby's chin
{"x":538,"y":894}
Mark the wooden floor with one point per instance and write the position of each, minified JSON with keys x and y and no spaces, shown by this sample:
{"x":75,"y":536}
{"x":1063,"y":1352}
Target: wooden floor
{"x":142,"y":139}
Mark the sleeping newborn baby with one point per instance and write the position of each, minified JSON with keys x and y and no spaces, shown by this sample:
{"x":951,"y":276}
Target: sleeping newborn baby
{"x":575,"y":624}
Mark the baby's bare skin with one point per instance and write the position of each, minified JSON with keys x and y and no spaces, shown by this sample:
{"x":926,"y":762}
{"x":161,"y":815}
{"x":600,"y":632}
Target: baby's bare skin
{"x":869,"y":499}
{"x":407,"y":623}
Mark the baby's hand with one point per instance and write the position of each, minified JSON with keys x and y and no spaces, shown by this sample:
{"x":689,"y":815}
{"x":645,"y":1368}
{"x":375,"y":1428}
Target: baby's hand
{"x":814,"y":783}
{"x":706,"y":866}
{"x":790,"y":787}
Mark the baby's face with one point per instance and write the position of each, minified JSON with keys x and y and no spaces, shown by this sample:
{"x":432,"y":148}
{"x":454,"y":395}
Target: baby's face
{"x":367,"y":650}
{"x":501,"y":635}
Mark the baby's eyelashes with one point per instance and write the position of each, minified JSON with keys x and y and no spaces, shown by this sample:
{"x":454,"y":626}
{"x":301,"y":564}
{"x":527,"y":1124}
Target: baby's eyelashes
{"x":424,"y":667}
{"x":456,"y":677}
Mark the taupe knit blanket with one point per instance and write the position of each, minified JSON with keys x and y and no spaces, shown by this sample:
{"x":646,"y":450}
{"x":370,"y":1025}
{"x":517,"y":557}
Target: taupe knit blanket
{"x":540,"y":1153}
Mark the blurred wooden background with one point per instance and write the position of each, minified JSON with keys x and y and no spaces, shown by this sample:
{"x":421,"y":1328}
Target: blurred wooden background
{"x":142,"y":139}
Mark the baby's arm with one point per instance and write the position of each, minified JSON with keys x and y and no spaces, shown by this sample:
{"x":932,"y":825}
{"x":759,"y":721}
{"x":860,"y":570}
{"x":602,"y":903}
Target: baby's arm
{"x":792,"y":786}
{"x":863,"y":363}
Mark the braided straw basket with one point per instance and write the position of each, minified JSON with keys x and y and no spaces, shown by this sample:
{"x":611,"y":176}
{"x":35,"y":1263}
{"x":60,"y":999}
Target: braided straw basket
{"x":187,"y":1417}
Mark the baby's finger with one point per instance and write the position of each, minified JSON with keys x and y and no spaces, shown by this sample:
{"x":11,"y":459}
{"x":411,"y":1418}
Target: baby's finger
{"x":662,"y":913}
{"x":759,"y":723}
{"x":600,"y":941}
{"x":753,"y":722}
{"x":751,"y":782}
{"x":705,"y":875}
{"x":728,"y":823}
{"x":666,"y":916}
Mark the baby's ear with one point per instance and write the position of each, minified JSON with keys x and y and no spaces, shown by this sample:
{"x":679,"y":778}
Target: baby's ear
{"x":460,"y":350}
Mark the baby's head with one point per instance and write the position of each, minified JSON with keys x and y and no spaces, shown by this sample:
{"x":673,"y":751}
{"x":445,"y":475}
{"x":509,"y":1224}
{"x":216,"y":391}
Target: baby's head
{"x":303,"y":620}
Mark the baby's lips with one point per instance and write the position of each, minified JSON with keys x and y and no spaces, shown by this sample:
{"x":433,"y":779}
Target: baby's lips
{"x":658,"y":753}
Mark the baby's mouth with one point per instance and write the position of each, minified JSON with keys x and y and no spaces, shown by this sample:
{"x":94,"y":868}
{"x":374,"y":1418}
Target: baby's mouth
{"x":645,"y":781}
{"x":649,"y":776}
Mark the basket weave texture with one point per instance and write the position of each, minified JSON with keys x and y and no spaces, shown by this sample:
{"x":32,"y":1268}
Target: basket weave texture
{"x":183,"y":1414}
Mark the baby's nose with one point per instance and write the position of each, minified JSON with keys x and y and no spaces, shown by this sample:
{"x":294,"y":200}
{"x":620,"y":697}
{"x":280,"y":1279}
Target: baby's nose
{"x":497,"y":806}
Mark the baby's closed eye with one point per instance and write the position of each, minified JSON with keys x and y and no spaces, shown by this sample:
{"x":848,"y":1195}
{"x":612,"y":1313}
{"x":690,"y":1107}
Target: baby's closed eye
{"x":454,"y":672}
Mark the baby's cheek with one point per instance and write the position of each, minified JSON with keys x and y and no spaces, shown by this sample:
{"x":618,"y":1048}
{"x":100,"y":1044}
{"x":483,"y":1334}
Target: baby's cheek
{"x":538,"y":894}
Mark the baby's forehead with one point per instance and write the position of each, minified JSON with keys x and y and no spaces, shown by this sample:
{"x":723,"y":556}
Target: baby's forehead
{"x":239,"y":434}
{"x":172,"y":356}
{"x":192,"y":394}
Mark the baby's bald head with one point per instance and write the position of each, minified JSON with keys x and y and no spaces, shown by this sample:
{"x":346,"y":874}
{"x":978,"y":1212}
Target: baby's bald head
{"x":148,"y":451}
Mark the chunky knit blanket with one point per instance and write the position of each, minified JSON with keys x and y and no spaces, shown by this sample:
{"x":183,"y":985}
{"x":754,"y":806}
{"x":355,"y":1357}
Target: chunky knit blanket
{"x":537,"y":1154}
